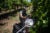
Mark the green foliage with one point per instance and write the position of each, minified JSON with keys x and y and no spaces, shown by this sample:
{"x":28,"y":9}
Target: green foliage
{"x":10,"y":2}
{"x":40,"y":10}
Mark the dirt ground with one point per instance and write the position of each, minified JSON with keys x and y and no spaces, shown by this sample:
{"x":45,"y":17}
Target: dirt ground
{"x":9,"y":24}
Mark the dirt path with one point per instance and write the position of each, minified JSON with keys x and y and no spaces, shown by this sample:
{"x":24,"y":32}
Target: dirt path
{"x":9,"y":26}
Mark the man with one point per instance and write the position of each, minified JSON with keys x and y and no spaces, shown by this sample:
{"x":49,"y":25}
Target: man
{"x":22,"y":17}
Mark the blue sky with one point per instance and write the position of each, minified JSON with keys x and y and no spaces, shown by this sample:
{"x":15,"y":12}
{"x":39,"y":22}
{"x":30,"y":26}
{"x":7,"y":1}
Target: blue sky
{"x":28,"y":0}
